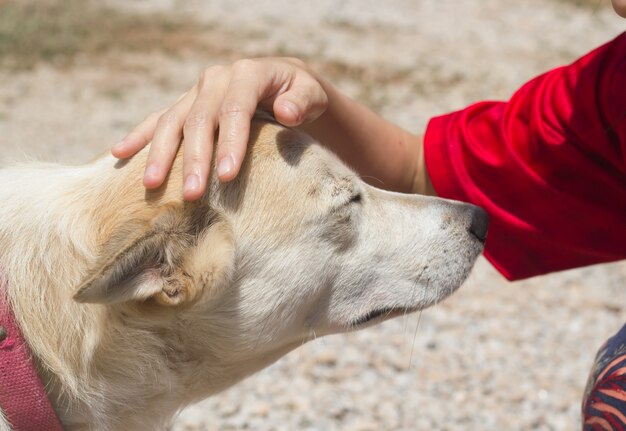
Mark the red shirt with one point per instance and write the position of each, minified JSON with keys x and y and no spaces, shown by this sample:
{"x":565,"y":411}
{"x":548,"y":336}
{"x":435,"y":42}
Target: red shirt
{"x":549,"y":166}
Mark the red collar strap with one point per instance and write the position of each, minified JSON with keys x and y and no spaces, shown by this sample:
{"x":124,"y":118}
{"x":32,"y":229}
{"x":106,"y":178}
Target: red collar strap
{"x":23,"y":398}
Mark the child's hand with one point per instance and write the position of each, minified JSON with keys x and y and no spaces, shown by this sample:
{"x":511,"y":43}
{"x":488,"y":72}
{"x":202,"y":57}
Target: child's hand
{"x":224,"y":97}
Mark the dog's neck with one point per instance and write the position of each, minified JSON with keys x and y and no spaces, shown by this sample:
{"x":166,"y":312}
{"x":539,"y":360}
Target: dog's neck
{"x":51,"y":222}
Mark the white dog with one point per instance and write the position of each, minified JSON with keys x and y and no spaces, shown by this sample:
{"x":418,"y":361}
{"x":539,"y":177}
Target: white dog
{"x":136,"y":304}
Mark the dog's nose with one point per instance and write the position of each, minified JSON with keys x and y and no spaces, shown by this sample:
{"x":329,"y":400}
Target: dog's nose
{"x":479,"y":223}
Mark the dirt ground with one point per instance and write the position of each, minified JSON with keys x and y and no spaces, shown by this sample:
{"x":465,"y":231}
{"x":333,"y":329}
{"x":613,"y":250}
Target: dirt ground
{"x":77,"y":75}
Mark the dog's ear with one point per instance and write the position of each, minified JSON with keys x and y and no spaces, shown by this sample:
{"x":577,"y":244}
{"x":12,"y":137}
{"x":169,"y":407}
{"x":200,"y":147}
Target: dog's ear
{"x":148,"y":265}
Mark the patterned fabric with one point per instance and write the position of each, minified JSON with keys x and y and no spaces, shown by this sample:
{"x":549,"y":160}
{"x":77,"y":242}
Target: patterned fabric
{"x":604,"y":404}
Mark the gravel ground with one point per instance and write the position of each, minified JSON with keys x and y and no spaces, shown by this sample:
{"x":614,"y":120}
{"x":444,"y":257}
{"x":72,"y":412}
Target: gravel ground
{"x":495,"y":356}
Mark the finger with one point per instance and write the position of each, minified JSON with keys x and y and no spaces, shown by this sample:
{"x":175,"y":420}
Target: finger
{"x":138,"y":138}
{"x":199,"y":131}
{"x":304,"y":101}
{"x":240,"y":101}
{"x":165,"y":143}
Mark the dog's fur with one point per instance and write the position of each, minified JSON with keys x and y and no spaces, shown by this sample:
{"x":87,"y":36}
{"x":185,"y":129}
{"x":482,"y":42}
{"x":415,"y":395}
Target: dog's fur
{"x":136,"y":304}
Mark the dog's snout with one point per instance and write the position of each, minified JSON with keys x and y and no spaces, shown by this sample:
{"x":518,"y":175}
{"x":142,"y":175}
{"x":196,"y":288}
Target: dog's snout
{"x":479,"y":223}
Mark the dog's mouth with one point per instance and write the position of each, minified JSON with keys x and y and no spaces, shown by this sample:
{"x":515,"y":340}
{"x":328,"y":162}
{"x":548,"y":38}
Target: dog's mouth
{"x":382,"y":314}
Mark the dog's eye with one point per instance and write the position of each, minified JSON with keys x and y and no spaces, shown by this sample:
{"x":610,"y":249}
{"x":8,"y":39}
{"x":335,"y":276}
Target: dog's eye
{"x":347,"y":205}
{"x":356,"y":199}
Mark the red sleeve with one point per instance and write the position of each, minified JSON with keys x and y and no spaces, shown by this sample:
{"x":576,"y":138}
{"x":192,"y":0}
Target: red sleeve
{"x":549,"y":166}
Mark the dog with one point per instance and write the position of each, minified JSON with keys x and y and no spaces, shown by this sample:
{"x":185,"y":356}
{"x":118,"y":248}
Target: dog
{"x":135,"y":303}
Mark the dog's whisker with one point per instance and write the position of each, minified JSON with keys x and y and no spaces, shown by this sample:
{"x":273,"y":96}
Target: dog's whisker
{"x":422,"y":294}
{"x":381,"y":182}
{"x":419,"y":319}
{"x":412,"y":301}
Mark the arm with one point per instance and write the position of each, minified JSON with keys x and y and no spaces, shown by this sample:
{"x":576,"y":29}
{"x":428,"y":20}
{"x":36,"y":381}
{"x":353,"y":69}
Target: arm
{"x":227,"y":96}
{"x":620,"y":7}
{"x":384,"y":154}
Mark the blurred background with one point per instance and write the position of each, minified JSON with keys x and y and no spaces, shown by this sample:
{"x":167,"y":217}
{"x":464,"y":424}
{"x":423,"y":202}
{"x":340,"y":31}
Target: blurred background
{"x":77,"y":75}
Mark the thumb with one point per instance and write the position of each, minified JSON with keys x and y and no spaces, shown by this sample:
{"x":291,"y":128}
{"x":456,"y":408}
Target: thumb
{"x":303,"y":102}
{"x":287,"y":112}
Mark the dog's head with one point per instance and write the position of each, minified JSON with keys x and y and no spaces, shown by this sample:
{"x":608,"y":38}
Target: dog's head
{"x":296,"y":246}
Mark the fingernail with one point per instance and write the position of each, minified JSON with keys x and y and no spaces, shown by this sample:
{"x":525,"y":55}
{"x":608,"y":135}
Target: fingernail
{"x":291,"y":107}
{"x":120,"y":145}
{"x":151,"y":171}
{"x":227,"y":164}
{"x":192,"y":183}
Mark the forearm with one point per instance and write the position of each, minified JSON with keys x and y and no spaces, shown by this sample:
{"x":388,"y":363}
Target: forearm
{"x":384,"y":154}
{"x":620,"y":7}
